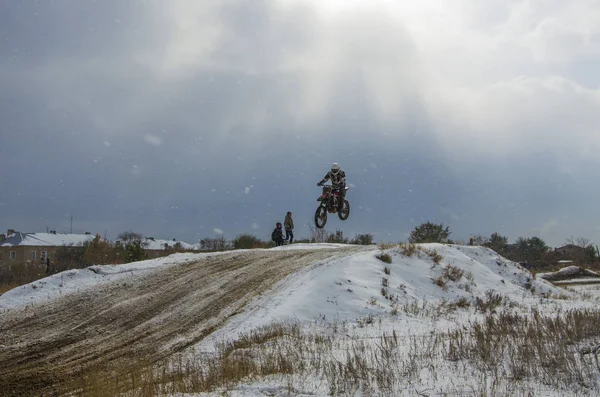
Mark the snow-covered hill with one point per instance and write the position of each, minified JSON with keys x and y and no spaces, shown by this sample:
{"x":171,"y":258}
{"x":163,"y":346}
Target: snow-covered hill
{"x":347,"y":288}
{"x":422,"y":290}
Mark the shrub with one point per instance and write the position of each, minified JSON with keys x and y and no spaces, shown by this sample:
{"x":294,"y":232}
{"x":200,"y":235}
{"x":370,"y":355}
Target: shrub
{"x":453,"y":273}
{"x":134,"y":251}
{"x":434,"y":255}
{"x":491,"y":301}
{"x":384,"y":292}
{"x":387,"y":258}
{"x":497,"y":243}
{"x":362,"y":239}
{"x":214,"y":244}
{"x":71,"y":255}
{"x":248,"y":241}
{"x":408,"y":249}
{"x":448,"y":307}
{"x":440,"y":282}
{"x":430,"y":233}
{"x":98,"y":251}
{"x":129,"y":236}
{"x":462,"y":303}
{"x":337,"y":237}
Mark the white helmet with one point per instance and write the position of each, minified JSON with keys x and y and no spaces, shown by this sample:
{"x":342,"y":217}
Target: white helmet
{"x":335,"y":168}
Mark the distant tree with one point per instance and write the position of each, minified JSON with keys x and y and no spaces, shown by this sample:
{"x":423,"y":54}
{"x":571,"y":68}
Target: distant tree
{"x":589,"y":254}
{"x":362,"y":239}
{"x":134,"y":251}
{"x":317,"y":235}
{"x":497,"y":243}
{"x":582,"y":242}
{"x":69,"y":256}
{"x":214,"y":244}
{"x":129,"y":236}
{"x":337,"y":237}
{"x":479,"y":240}
{"x":247,"y":241}
{"x":171,"y":249}
{"x":430,"y":233}
{"x":98,"y":251}
{"x":531,"y":249}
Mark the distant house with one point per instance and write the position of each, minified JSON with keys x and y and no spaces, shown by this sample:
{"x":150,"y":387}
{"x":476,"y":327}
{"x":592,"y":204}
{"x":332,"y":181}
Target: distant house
{"x":570,"y":252}
{"x":34,"y":248}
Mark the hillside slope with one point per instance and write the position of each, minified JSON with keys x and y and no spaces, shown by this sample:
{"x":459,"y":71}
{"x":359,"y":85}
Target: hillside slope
{"x":146,"y":316}
{"x":60,"y":327}
{"x":351,"y":287}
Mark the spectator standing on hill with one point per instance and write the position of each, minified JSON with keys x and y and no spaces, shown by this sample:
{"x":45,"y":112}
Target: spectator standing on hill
{"x":277,"y":235}
{"x":288,"y":224}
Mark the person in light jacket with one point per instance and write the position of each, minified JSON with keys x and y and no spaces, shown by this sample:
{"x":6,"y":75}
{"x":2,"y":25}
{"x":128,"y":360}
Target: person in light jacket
{"x":288,"y":224}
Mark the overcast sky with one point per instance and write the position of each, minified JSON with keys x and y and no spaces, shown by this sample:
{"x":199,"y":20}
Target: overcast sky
{"x":184,"y":118}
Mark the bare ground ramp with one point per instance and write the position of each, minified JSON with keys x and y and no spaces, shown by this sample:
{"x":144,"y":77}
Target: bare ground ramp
{"x":44,"y":346}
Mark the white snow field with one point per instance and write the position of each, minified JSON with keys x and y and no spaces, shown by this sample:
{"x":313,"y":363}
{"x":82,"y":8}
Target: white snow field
{"x":443,"y":320}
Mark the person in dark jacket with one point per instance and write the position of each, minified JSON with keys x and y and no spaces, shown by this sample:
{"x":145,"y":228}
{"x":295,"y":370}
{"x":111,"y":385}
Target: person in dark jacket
{"x":288,"y":224}
{"x":277,"y":235}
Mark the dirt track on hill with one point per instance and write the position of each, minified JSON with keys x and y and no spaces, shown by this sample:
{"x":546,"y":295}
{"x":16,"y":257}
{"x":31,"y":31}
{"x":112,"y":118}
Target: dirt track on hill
{"x":45,"y":346}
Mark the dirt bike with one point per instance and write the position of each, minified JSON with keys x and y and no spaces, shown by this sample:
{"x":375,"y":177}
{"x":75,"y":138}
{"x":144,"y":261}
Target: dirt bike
{"x":330,"y":203}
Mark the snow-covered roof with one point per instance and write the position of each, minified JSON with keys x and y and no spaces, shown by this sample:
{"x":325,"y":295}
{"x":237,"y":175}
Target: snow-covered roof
{"x":45,"y":239}
{"x":158,"y":244}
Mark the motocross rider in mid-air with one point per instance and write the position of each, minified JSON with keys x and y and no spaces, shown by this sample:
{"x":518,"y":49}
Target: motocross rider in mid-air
{"x":338,"y":181}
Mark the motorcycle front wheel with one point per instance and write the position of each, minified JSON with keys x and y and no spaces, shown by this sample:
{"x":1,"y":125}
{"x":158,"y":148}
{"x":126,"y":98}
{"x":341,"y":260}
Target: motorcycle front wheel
{"x":321,"y":217}
{"x":344,"y":212}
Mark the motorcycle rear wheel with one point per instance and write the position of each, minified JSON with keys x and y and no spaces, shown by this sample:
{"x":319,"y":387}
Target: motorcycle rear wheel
{"x":344,"y":212}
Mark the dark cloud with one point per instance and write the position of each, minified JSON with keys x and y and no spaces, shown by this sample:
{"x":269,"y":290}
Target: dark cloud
{"x":178,"y":118}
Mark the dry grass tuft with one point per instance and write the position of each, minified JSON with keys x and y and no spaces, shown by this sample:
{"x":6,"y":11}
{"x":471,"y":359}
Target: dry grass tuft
{"x":384,"y":292}
{"x":453,"y":273}
{"x":440,"y":282}
{"x":435,"y":256}
{"x":450,"y":273}
{"x":408,"y":249}
{"x":447,"y":307}
{"x":490,"y":303}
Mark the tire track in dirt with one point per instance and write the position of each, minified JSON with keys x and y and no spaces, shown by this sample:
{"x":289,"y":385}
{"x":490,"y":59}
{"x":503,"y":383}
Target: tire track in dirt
{"x":44,"y":346}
